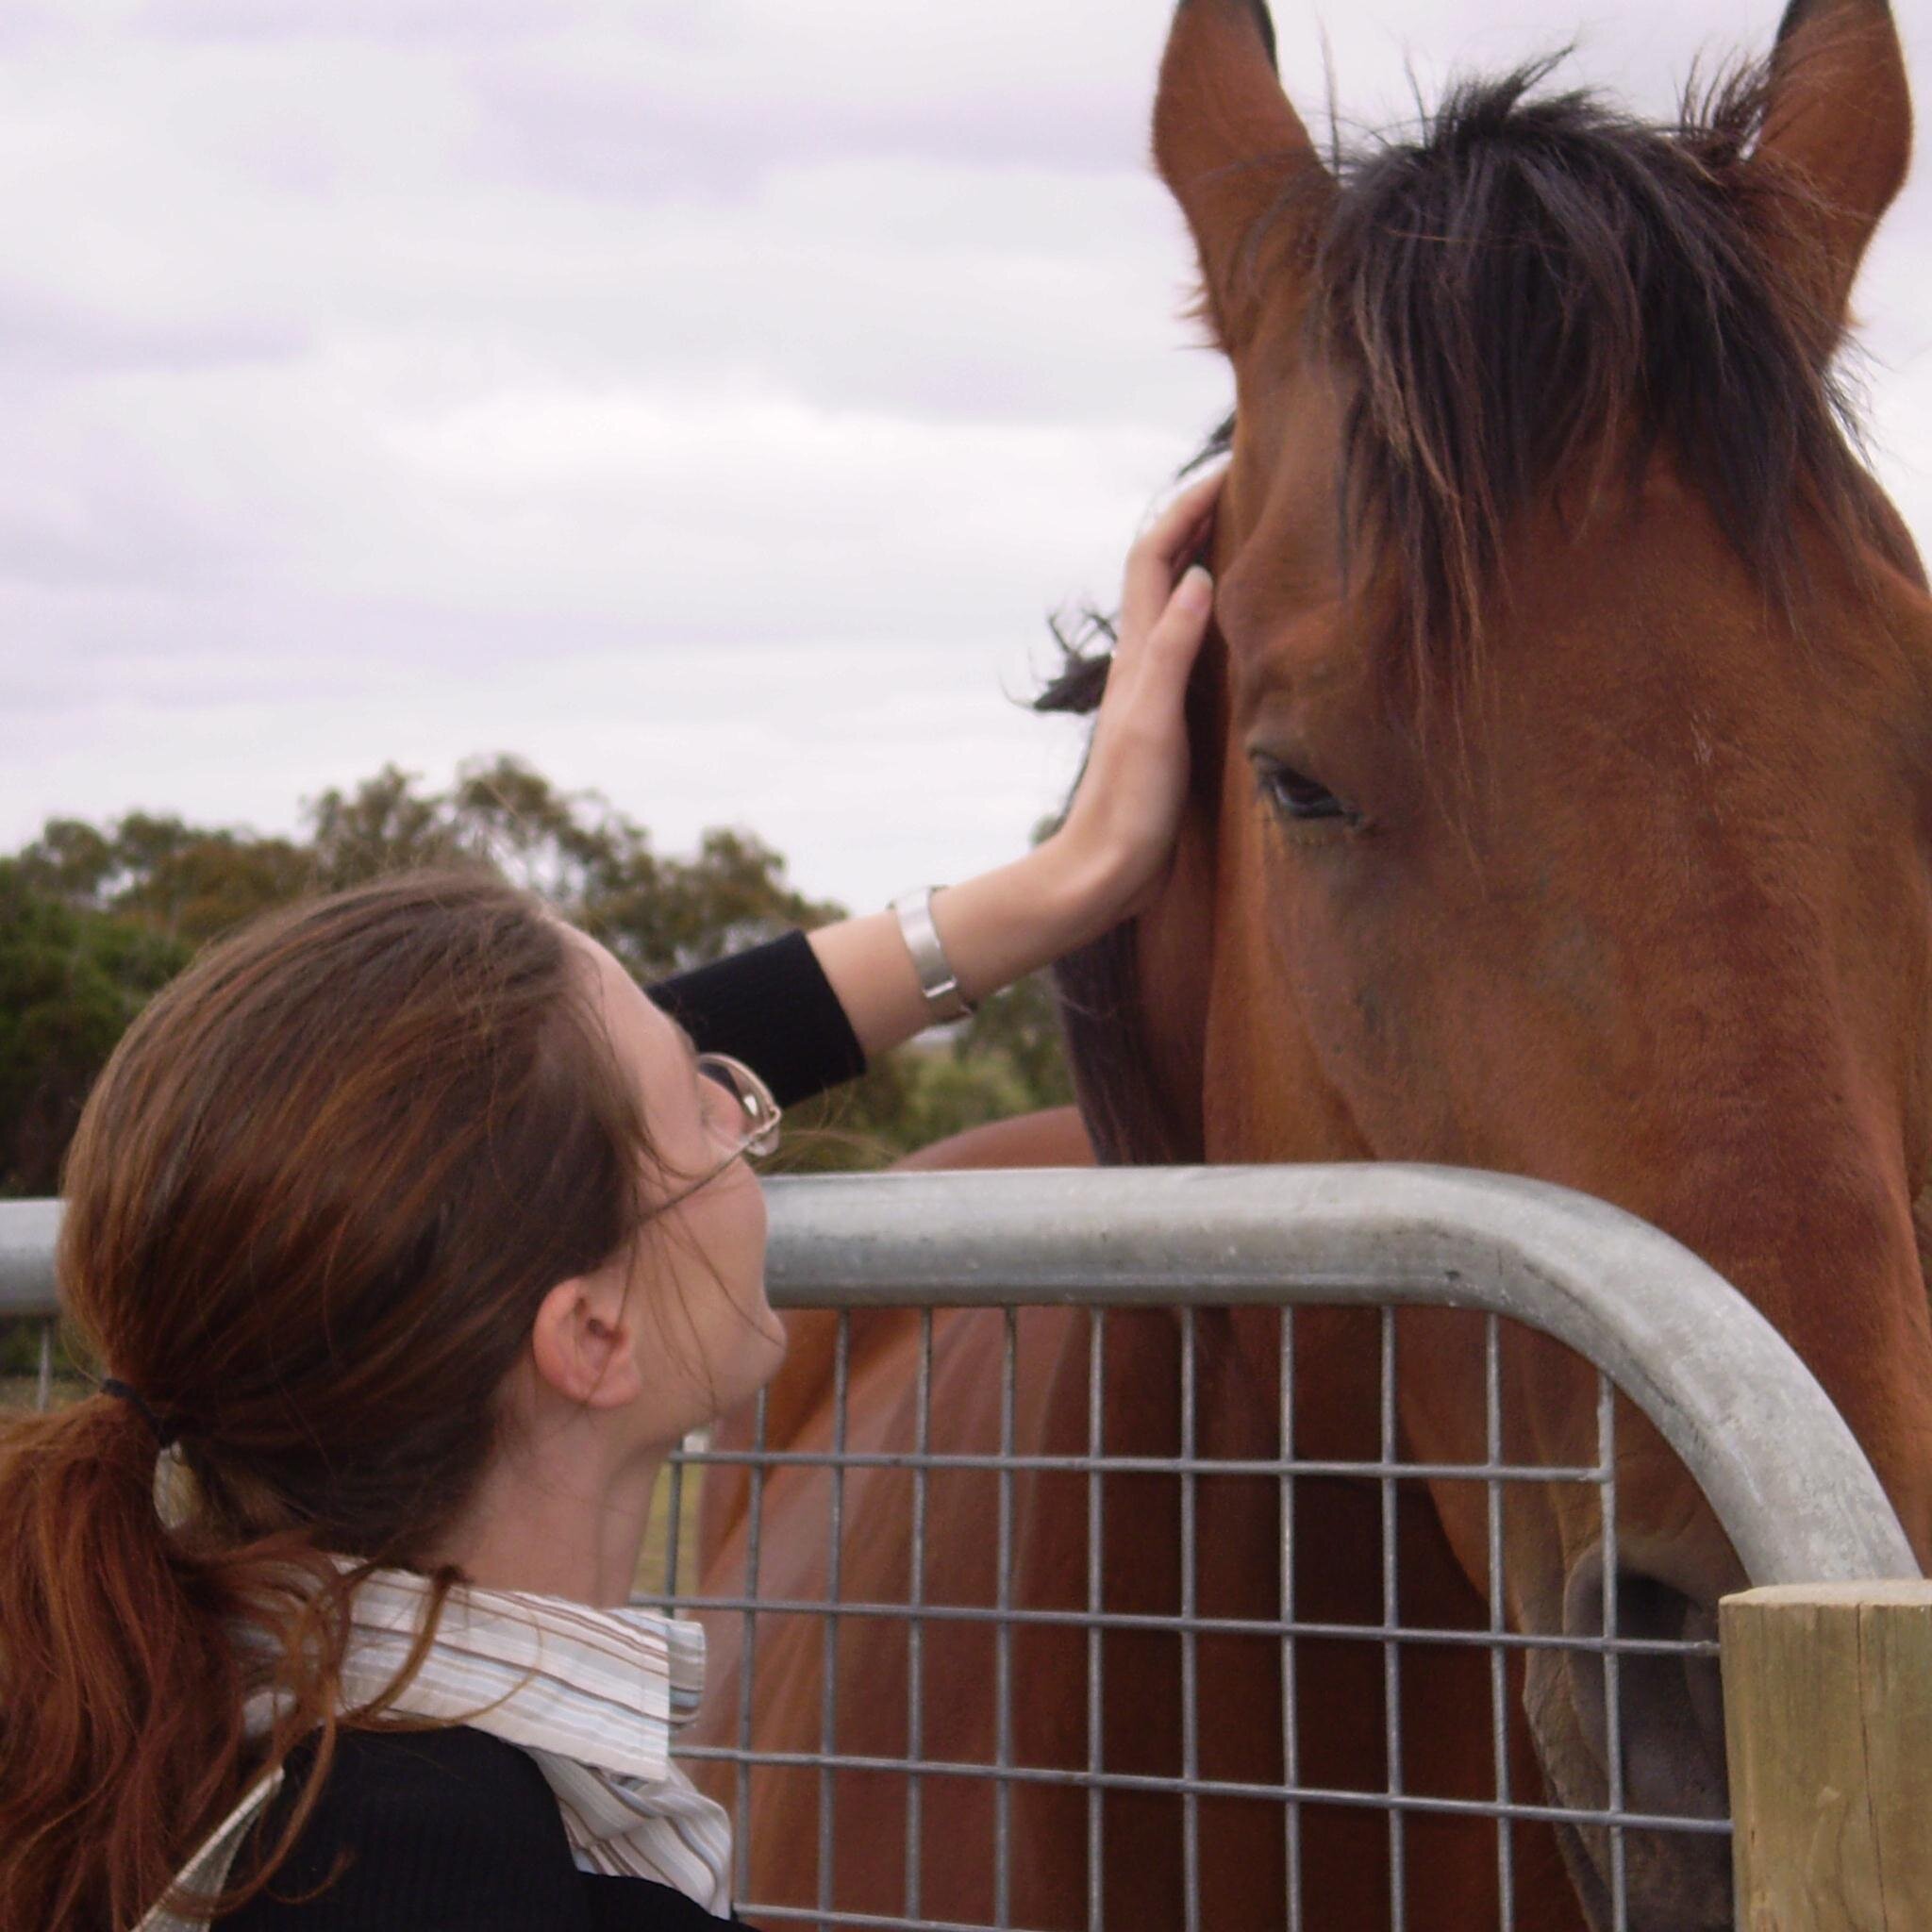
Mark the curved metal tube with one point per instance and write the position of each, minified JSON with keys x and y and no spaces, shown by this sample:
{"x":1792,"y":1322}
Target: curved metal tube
{"x":1800,"y":1503}
{"x":1700,"y":1362}
{"x":27,"y":1256}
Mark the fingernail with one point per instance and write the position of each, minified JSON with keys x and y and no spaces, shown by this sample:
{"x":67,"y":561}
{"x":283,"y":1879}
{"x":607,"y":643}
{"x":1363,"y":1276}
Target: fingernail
{"x":1199,"y":583}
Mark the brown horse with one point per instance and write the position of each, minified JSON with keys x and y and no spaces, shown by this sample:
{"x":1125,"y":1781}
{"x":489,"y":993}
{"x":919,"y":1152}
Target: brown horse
{"x":1563,"y":807}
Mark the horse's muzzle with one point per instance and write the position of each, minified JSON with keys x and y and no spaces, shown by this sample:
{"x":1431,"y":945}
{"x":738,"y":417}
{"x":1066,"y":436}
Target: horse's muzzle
{"x":1669,"y":1713}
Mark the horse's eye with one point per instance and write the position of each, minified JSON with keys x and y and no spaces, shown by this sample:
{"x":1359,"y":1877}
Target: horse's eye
{"x":1298,"y":798}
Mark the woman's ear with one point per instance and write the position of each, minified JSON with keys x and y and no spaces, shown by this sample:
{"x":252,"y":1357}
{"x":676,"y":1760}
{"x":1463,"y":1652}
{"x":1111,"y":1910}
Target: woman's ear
{"x":583,"y":1344}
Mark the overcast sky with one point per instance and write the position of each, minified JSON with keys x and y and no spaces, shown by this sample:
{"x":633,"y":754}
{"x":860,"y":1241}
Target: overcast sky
{"x":704,"y":399}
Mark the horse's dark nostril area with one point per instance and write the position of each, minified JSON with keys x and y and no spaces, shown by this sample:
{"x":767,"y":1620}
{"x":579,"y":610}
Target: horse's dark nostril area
{"x":1663,"y":1695}
{"x":1671,"y":1700}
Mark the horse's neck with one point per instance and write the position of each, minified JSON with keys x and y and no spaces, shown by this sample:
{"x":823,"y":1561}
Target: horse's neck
{"x":1117,"y":1390}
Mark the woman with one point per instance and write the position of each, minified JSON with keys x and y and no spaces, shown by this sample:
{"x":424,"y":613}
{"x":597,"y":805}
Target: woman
{"x":418,"y":1235}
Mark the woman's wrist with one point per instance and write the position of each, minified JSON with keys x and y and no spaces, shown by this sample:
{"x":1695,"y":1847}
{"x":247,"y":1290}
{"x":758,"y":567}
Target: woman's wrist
{"x":1064,"y":893}
{"x":1003,"y":925}
{"x":995,"y":928}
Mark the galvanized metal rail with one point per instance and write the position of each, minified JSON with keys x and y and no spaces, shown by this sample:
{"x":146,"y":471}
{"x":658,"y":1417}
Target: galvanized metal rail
{"x":1784,"y":1473}
{"x":1672,"y":1334}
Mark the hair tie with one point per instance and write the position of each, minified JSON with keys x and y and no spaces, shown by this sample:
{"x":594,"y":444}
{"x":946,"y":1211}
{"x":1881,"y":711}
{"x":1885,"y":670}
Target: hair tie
{"x":165,"y":1434}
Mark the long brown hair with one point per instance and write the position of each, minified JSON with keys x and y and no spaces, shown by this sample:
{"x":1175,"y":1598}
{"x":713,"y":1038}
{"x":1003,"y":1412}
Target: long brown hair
{"x":312,"y":1207}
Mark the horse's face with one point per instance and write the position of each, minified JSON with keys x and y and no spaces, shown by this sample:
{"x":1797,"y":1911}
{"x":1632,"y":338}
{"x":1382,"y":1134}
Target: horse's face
{"x":1631,"y":895}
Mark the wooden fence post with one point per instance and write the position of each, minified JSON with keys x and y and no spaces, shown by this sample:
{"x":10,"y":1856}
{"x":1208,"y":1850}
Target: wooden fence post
{"x":1828,"y":1711}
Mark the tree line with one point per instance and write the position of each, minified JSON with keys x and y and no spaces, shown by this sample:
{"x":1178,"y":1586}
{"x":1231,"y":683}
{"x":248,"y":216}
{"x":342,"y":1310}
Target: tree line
{"x":95,"y":919}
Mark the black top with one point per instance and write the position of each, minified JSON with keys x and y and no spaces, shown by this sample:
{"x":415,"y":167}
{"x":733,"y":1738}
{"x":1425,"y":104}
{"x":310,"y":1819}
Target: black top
{"x":442,"y":1831}
{"x":455,"y":1830}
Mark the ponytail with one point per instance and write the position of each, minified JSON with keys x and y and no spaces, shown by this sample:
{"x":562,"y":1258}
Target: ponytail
{"x":123,"y":1689}
{"x":120,"y":1708}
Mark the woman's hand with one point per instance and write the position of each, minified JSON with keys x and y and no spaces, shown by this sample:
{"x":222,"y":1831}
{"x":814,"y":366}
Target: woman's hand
{"x":1117,"y":836}
{"x":1112,"y":851}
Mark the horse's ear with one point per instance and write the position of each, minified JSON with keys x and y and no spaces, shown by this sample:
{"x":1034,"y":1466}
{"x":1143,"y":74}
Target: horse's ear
{"x":1838,"y":131}
{"x":1234,"y":151}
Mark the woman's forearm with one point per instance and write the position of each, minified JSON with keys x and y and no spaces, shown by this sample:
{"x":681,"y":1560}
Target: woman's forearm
{"x":995,"y":928}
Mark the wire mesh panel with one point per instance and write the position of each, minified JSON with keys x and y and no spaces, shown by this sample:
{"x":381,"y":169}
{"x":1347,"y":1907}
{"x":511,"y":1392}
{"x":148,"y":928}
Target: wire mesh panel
{"x":28,"y":1361}
{"x":1475,"y":1792}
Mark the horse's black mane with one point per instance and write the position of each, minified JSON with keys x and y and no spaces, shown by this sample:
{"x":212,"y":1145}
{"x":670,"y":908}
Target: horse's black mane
{"x":1540,"y":280}
{"x":1533,"y":282}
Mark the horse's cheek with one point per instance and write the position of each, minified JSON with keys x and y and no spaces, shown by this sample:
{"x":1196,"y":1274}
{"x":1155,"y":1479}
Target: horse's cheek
{"x":1366,"y":1015}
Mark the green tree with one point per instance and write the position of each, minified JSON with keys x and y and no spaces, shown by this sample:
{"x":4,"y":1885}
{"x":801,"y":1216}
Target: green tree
{"x":182,"y":880}
{"x":1021,"y":1030}
{"x":71,"y":979}
{"x":597,"y":867}
{"x":94,"y":919}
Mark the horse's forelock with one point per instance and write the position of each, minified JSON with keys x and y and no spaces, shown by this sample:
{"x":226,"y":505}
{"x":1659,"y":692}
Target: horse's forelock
{"x":1537,"y":272}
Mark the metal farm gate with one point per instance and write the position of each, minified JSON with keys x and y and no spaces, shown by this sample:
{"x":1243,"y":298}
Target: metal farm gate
{"x":1780,"y":1469}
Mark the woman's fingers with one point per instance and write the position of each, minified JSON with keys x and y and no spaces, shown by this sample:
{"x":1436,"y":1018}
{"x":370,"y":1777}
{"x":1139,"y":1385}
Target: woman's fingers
{"x":1172,"y":534}
{"x":1146,"y":695}
{"x":1140,"y":717}
{"x":1120,"y":828}
{"x":1170,"y":540}
{"x":1174,"y":642}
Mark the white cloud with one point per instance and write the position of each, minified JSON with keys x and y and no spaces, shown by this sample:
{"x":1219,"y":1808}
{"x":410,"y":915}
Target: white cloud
{"x":705,"y":401}
{"x":387,"y":23}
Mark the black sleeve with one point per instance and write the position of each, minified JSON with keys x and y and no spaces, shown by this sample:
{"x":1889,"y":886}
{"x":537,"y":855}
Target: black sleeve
{"x":773,"y":1008}
{"x":434,"y":1831}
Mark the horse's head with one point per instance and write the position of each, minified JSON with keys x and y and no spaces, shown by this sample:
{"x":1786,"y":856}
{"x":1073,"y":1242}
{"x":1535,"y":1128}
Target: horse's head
{"x":1564,"y":762}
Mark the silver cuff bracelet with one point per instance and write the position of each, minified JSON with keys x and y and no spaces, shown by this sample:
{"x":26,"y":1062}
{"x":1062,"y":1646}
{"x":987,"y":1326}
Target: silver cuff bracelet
{"x":937,"y":979}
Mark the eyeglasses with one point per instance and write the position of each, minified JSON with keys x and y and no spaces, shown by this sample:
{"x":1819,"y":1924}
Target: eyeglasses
{"x":759,"y":1112}
{"x":742,"y":1113}
{"x":751,"y":1126}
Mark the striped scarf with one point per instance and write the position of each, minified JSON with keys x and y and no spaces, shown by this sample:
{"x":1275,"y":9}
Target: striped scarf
{"x":591,"y":1695}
